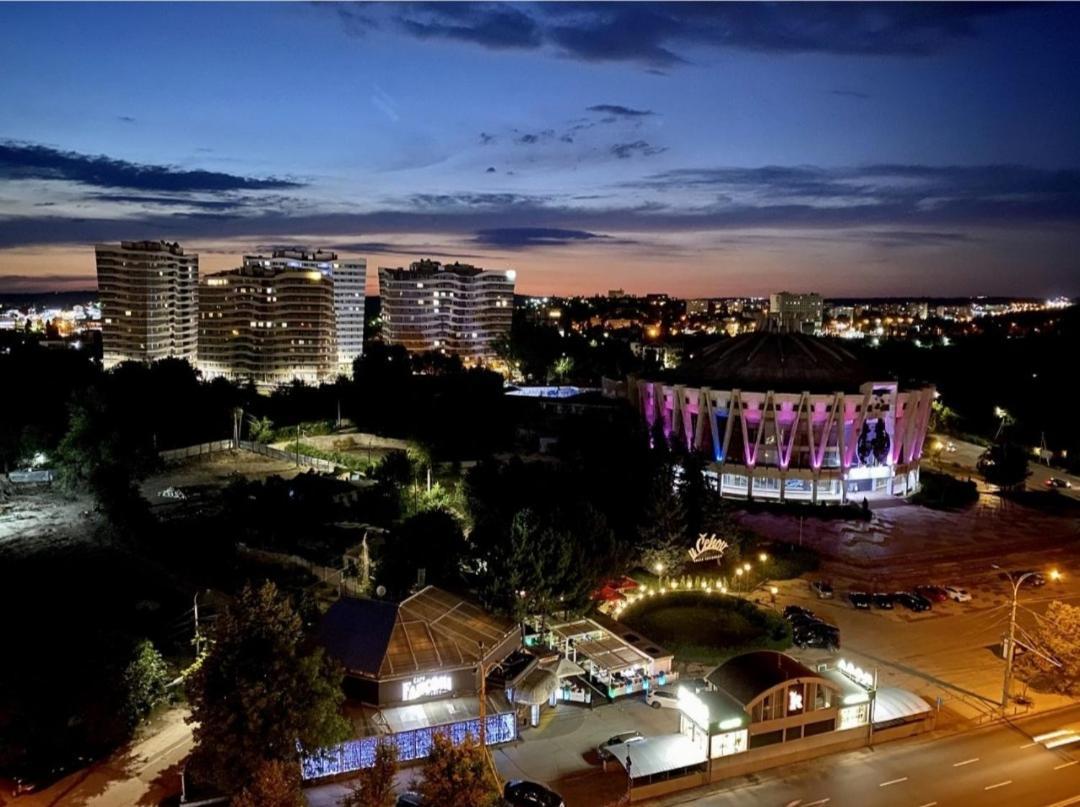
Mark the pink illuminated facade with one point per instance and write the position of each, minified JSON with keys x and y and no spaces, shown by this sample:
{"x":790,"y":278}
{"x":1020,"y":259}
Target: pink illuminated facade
{"x":782,"y":442}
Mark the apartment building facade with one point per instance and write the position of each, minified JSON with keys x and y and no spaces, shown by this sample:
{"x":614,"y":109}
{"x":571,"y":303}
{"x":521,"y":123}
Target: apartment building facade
{"x":149,"y":301}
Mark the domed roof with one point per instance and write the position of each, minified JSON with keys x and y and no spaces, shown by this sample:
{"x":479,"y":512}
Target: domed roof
{"x":776,"y":360}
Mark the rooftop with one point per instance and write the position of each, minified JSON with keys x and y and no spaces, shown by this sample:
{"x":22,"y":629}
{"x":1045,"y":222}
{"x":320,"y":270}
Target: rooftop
{"x":431,"y":630}
{"x":746,"y":676}
{"x":776,"y":360}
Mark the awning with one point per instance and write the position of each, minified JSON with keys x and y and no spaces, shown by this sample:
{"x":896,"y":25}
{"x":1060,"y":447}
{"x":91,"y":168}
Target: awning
{"x":566,"y":669}
{"x":536,"y":688}
{"x":668,"y":752}
{"x":892,"y":704}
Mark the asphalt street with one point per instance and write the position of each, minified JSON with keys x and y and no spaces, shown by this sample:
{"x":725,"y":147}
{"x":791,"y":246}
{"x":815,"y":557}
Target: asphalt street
{"x":967,"y":455}
{"x":996,"y":765}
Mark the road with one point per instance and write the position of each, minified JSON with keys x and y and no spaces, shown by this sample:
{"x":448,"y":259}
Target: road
{"x":967,"y":455}
{"x":997,"y":765}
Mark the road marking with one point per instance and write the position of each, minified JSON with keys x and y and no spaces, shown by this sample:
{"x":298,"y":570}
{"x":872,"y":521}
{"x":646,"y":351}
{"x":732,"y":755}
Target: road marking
{"x":1029,"y":745}
{"x":929,"y":804}
{"x":893,"y":782}
{"x":817,"y":803}
{"x":999,"y":784}
{"x":1065,"y":803}
{"x":1065,"y":765}
{"x":965,"y":762}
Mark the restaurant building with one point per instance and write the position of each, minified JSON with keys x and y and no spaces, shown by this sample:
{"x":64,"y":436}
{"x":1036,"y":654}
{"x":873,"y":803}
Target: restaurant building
{"x":413,"y":669}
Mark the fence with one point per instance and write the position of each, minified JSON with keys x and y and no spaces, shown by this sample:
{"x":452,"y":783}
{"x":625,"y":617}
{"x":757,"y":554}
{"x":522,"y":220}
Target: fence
{"x":217,"y":446}
{"x":333,"y":577}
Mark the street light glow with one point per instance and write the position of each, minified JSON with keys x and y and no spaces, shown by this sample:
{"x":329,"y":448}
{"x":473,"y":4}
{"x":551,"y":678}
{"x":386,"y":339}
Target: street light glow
{"x":763,"y":557}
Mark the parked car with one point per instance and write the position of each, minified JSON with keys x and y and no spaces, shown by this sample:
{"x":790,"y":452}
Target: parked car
{"x":823,"y":589}
{"x":409,"y":799}
{"x":932,"y":593}
{"x":1058,"y":482}
{"x":913,"y":602}
{"x":1033,"y":579}
{"x":882,"y":600}
{"x":664,"y":698}
{"x":793,"y":612}
{"x":860,"y":599}
{"x":607,"y":748}
{"x":957,"y":594}
{"x":815,"y":634}
{"x":531,"y":794}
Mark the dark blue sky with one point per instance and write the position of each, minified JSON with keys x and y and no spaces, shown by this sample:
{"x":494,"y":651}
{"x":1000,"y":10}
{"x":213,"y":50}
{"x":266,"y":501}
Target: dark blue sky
{"x":697,"y":149}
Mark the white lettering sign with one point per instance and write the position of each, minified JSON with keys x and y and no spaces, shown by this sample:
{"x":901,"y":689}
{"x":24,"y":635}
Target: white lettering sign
{"x":708,"y":547}
{"x":857,"y":674}
{"x":425,"y":687}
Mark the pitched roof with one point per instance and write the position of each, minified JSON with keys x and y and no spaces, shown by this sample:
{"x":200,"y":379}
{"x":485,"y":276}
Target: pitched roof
{"x":431,"y":630}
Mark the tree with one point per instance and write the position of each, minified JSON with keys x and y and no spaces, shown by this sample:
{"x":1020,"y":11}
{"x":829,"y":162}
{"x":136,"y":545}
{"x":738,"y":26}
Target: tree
{"x":258,"y":696}
{"x":457,"y":774}
{"x":662,"y":532}
{"x":145,"y":679}
{"x":1058,"y":637}
{"x":260,"y":430}
{"x":432,"y":540}
{"x":1005,"y":465}
{"x":275,"y":784}
{"x":374,"y":786}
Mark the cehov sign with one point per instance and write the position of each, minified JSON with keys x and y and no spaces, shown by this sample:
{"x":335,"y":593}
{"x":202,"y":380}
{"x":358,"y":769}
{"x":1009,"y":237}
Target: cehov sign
{"x":708,"y":547}
{"x":425,"y":687}
{"x":856,"y":674}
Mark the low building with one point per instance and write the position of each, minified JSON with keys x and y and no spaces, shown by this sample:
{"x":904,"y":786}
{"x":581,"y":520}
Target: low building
{"x":412,"y":669}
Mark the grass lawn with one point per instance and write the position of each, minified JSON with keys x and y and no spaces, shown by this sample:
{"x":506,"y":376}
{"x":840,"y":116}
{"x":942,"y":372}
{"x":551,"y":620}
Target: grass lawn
{"x":706,"y":627}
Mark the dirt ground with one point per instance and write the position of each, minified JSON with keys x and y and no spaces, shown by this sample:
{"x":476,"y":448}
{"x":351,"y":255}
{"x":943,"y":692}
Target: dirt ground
{"x":216,"y":470}
{"x":43,"y":519}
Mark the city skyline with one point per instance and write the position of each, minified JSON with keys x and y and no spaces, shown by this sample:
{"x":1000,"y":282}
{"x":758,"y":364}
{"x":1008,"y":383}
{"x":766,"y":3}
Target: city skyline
{"x":695,"y":150}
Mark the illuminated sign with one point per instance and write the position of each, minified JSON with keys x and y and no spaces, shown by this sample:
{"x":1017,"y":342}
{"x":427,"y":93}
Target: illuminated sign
{"x":794,"y":700}
{"x":708,"y":547}
{"x":857,"y":674}
{"x":425,"y":687}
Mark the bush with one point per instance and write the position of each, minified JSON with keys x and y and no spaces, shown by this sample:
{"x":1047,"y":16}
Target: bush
{"x":708,"y":627}
{"x":944,"y":492}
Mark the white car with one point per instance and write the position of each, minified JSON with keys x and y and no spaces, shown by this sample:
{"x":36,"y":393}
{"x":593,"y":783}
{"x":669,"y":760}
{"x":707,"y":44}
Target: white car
{"x":662,"y":698}
{"x":957,"y":594}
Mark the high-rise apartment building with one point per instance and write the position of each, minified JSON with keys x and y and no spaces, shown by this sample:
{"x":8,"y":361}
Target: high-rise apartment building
{"x":149,"y":301}
{"x":268,"y":324}
{"x":455,"y":308}
{"x":348,"y":282}
{"x":798,"y":313}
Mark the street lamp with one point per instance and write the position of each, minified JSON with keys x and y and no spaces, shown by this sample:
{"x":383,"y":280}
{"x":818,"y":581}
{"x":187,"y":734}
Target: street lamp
{"x":763,"y":557}
{"x":1011,"y":649}
{"x":659,"y":574}
{"x":739,"y":573}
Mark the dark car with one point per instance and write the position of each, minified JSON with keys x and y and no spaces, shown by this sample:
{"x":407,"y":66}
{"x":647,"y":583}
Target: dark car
{"x":913,"y":602}
{"x":409,"y":799}
{"x":860,"y":599}
{"x":816,"y":634}
{"x":823,"y":589}
{"x":882,"y":600}
{"x":531,"y":794}
{"x":1033,"y":579}
{"x":1058,"y":482}
{"x":794,"y":612}
{"x":932,"y":593}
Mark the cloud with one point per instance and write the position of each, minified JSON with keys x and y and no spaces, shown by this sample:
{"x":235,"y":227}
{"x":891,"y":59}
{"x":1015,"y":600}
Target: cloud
{"x":31,"y":161}
{"x":625,"y":151}
{"x":170,"y":201}
{"x":18,"y":284}
{"x":524,"y":237}
{"x":662,"y":35}
{"x":862,"y":96}
{"x":624,"y":111}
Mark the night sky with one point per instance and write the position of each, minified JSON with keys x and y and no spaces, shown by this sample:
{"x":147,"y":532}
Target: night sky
{"x":900,"y":149}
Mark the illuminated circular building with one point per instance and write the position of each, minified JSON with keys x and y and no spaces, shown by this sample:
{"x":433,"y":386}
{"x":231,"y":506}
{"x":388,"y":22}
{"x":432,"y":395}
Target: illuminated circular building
{"x":792,"y":417}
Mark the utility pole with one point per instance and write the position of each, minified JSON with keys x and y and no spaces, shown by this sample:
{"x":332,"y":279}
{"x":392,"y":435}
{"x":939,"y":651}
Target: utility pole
{"x":1010,"y":651}
{"x":297,"y":445}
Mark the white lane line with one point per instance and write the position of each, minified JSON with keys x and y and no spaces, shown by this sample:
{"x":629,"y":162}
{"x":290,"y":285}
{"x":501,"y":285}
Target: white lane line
{"x":1065,"y":765}
{"x":817,"y":803}
{"x":1029,"y":745}
{"x":1066,"y":802}
{"x":893,"y":782}
{"x":965,"y":762}
{"x":999,"y":784}
{"x":929,"y":804}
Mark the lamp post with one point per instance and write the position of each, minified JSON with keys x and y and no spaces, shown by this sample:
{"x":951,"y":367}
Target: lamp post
{"x":659,"y":574}
{"x":1011,"y":649}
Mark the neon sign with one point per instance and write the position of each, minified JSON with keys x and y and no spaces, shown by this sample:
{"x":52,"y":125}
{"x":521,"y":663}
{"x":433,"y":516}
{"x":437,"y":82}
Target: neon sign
{"x":425,"y":687}
{"x":794,"y":700}
{"x":856,"y":674}
{"x":708,"y":547}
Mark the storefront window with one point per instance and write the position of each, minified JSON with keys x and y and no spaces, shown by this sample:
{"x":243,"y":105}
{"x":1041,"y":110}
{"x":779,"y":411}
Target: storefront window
{"x":822,"y":697}
{"x":728,"y":743}
{"x":852,"y":716}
